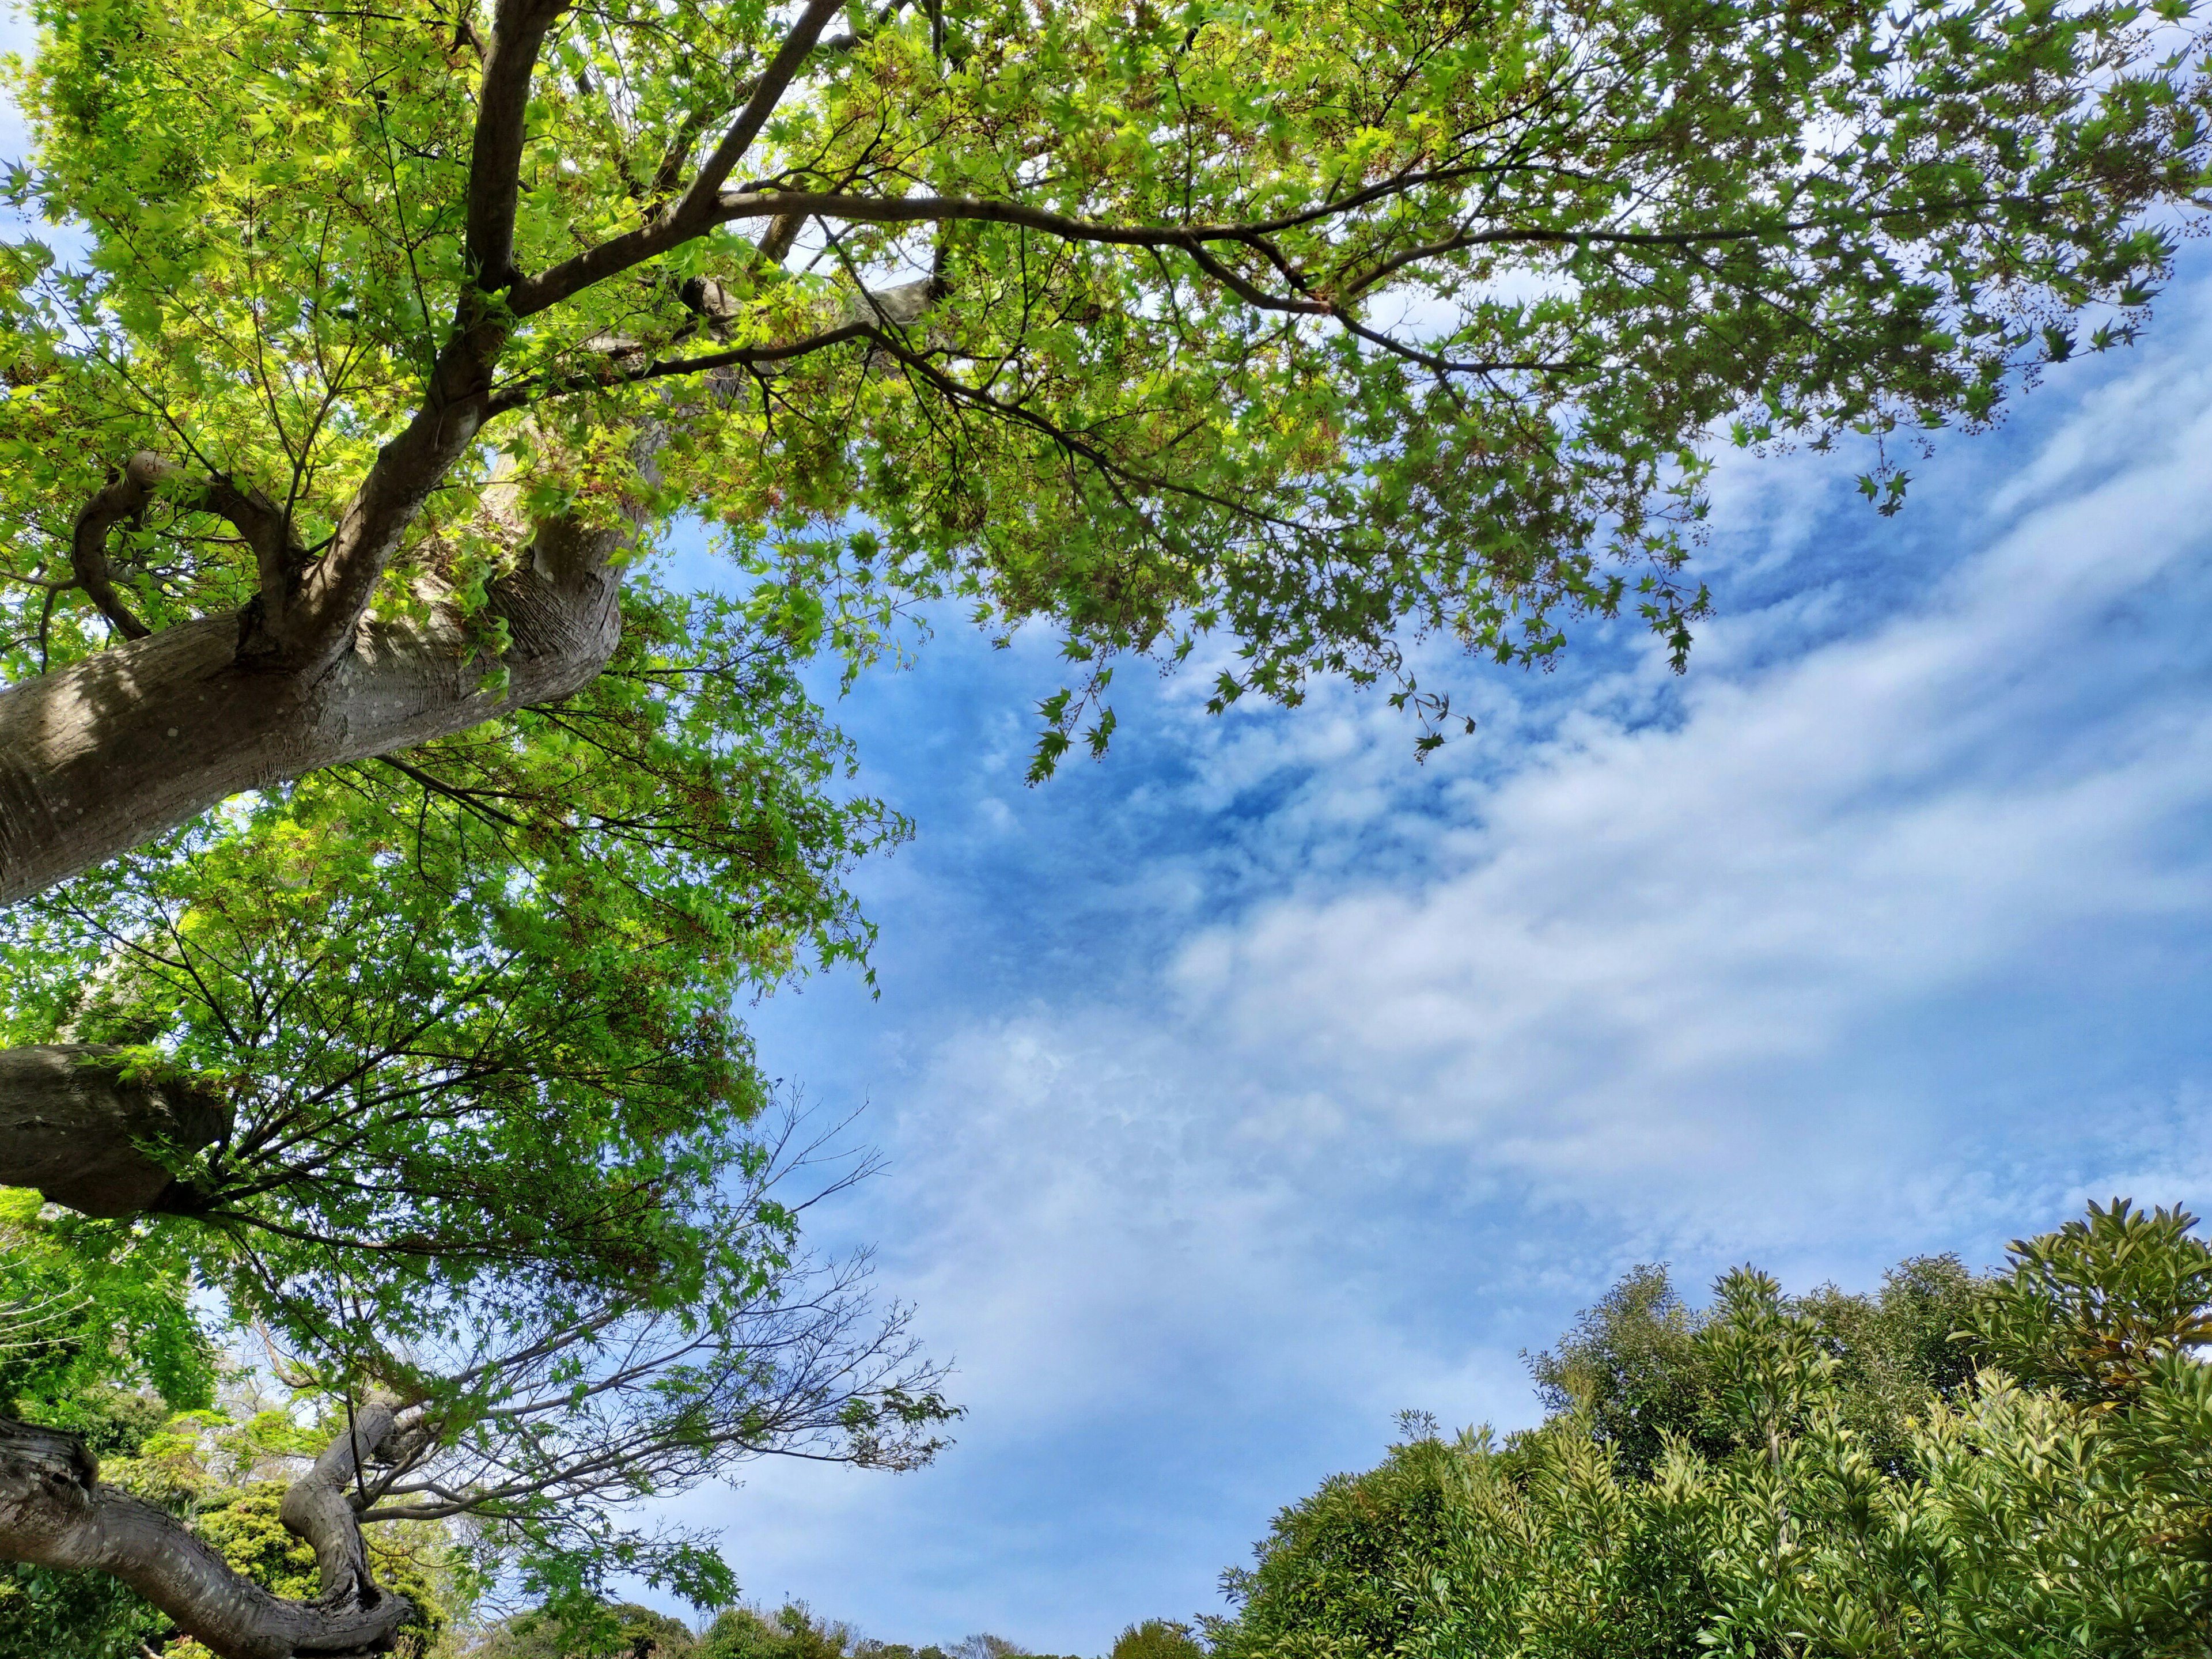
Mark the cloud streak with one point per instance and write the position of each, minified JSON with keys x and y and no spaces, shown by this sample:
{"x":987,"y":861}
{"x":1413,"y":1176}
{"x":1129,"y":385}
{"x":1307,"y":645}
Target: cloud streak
{"x":1259,"y":1083}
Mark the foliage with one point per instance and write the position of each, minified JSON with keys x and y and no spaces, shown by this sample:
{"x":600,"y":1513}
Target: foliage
{"x":80,"y":1340}
{"x":472,"y":1017}
{"x":598,"y":1630}
{"x":1319,"y":330}
{"x":1842,"y":1481}
{"x":1325,"y":330}
{"x":2093,"y":1309}
{"x":1632,"y":1365}
{"x":1156,"y":1638}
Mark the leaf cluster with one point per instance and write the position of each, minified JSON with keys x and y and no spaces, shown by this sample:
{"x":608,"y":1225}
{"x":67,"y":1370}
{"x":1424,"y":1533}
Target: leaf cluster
{"x":1325,"y":328}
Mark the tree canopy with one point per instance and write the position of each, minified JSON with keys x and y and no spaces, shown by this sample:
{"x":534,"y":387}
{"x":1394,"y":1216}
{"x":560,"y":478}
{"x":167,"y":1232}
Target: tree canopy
{"x":390,"y":846}
{"x":1958,"y":1467}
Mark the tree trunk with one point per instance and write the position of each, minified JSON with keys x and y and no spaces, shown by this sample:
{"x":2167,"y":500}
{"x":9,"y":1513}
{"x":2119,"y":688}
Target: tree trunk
{"x":54,"y":1512}
{"x":110,"y":752}
{"x":74,"y":1127}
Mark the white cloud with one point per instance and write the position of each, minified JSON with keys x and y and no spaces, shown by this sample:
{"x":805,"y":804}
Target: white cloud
{"x":1643,"y":909}
{"x":1286,"y":1084}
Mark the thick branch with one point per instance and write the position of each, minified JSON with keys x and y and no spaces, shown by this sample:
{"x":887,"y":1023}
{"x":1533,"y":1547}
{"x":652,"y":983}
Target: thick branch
{"x":518,"y":32}
{"x":73,"y":1127}
{"x":55,"y":1512}
{"x":98,"y":758}
{"x":319,"y":1508}
{"x":124,"y":497}
{"x":320,"y":619}
{"x":258,"y":519}
{"x":278,"y":560}
{"x":527,"y":392}
{"x":781,"y":206}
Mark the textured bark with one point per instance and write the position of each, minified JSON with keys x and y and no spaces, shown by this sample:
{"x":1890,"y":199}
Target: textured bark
{"x":103,"y":756}
{"x":55,"y":1512}
{"x":72,"y":1127}
{"x":319,"y":1508}
{"x":124,"y":497}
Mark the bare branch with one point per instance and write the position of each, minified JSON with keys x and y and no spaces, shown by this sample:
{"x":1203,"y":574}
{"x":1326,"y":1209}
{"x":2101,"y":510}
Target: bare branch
{"x":316,"y":1508}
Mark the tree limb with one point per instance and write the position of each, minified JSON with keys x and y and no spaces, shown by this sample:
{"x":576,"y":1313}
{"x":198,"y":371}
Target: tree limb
{"x":317,"y":1508}
{"x":97,"y":757}
{"x":698,"y":199}
{"x":122,"y":497}
{"x":72,"y":1127}
{"x":697,"y":208}
{"x":56,"y":1512}
{"x":518,"y":32}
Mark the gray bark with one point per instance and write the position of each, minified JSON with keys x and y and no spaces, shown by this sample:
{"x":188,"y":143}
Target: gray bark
{"x":108,"y":753}
{"x":72,"y":1127}
{"x":56,"y":1512}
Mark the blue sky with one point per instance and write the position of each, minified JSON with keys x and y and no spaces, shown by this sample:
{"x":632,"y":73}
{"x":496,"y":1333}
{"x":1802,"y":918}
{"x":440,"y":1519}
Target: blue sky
{"x":1257,"y":1083}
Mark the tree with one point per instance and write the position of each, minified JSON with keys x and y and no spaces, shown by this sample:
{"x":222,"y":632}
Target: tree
{"x":400,"y":329}
{"x":792,"y":1631}
{"x":491,"y":1181}
{"x":1156,"y":1638}
{"x":2000,"y":1512}
{"x":328,"y":468}
{"x":1638,"y":1366}
{"x":623,"y":1631}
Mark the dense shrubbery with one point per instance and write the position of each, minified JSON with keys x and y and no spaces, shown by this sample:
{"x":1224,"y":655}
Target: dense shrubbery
{"x":2011,"y":1467}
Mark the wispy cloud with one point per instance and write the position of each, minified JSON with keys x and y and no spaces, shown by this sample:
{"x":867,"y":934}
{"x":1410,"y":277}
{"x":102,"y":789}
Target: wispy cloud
{"x":1259,"y":1083}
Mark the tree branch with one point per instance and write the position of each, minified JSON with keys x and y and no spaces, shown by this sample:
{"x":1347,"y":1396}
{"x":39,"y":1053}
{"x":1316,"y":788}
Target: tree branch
{"x":518,"y":31}
{"x":56,"y":1512}
{"x":697,"y":209}
{"x":698,"y":200}
{"x":317,"y":1508}
{"x":527,"y":392}
{"x":122,"y":497}
{"x":97,"y":757}
{"x":781,"y":206}
{"x":278,"y":560}
{"x":71,"y":1127}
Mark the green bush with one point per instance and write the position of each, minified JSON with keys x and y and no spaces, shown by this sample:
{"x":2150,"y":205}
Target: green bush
{"x":623,"y":1630}
{"x":1156,"y":1638}
{"x":2018,"y":1468}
